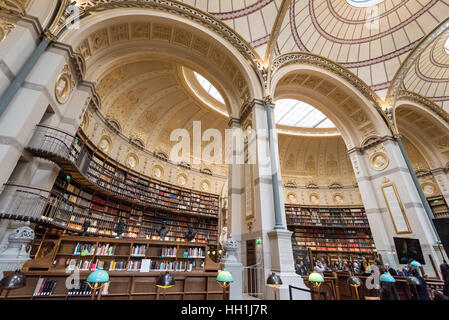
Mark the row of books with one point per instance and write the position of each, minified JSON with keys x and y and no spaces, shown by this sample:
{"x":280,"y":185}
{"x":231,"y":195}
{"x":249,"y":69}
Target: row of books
{"x":203,"y":204}
{"x":196,"y":253}
{"x":138,"y":250}
{"x":169,"y":252}
{"x":44,"y":287}
{"x":147,"y":265}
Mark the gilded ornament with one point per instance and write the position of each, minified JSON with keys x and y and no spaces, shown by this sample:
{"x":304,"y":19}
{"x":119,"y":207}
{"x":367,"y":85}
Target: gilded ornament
{"x":5,"y":28}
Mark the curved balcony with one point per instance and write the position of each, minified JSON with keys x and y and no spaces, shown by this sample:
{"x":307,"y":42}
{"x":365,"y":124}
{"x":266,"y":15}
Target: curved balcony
{"x":74,"y":159}
{"x":61,"y":148}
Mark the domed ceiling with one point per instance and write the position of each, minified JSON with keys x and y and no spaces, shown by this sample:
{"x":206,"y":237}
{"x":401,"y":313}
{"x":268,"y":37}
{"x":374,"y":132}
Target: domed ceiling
{"x":430,"y":74}
{"x":370,"y":37}
{"x":149,"y":98}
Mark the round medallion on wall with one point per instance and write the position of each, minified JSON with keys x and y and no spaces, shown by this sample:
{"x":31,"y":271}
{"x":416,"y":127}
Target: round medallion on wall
{"x":428,"y":188}
{"x":181,"y":179}
{"x":158,"y":172}
{"x":105,"y":144}
{"x":132,"y":160}
{"x":64,"y":85}
{"x":292,"y":198}
{"x":379,"y":161}
{"x":205,"y":186}
{"x":337,"y":198}
{"x":314,"y":198}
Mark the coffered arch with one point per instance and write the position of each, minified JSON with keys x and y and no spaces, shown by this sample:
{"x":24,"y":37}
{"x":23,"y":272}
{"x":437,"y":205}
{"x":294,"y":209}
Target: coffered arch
{"x":425,"y":129}
{"x":356,"y":115}
{"x":109,"y":34}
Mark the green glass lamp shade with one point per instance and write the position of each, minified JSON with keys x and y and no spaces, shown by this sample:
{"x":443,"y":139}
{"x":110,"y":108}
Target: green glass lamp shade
{"x":315,"y":277}
{"x":413,"y":280}
{"x":274,"y":280}
{"x":99,"y":276}
{"x":386,"y":277}
{"x":416,"y":264}
{"x":224,"y":276}
{"x":165,"y":281}
{"x":354,"y":281}
{"x":13,"y":281}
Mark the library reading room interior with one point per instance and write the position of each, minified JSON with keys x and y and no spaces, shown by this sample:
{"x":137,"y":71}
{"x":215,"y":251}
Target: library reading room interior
{"x":224,"y":150}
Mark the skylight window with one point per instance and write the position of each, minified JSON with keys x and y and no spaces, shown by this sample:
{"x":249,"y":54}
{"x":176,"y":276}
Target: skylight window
{"x":295,"y":113}
{"x":363,"y":3}
{"x":446,"y":46}
{"x":209,"y":87}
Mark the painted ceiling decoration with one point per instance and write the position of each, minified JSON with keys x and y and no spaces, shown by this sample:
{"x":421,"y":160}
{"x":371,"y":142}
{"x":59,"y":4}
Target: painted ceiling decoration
{"x":429,"y":76}
{"x":371,"y":38}
{"x":252,"y":19}
{"x":351,"y":36}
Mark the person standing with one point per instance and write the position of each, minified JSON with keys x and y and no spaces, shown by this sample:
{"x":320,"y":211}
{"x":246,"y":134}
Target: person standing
{"x":319,"y":268}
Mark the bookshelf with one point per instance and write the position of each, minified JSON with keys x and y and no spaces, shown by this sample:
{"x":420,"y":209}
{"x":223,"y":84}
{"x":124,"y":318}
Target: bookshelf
{"x":133,"y":266}
{"x":73,"y":204}
{"x":75,"y":253}
{"x":439,"y":207}
{"x":336,"y":233}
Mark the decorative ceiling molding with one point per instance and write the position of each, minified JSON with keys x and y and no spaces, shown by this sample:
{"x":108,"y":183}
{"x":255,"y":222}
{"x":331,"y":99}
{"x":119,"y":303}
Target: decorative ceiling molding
{"x":340,"y":71}
{"x":429,"y":104}
{"x":270,"y":52}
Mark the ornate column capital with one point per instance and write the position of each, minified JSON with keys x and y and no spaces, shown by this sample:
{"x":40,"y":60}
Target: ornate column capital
{"x":234,"y":123}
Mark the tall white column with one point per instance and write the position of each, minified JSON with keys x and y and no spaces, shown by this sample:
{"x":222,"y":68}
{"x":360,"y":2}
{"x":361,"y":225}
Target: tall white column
{"x":274,"y":247}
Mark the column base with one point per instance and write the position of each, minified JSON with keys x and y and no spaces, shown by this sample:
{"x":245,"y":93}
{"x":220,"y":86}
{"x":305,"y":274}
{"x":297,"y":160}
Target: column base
{"x":282,"y":263}
{"x":283,"y":292}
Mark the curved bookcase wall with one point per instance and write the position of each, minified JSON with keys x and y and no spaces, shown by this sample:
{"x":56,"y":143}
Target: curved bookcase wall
{"x":92,"y":188}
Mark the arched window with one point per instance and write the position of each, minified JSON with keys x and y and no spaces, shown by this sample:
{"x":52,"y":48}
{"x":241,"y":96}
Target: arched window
{"x":209,"y":87}
{"x":295,"y":113}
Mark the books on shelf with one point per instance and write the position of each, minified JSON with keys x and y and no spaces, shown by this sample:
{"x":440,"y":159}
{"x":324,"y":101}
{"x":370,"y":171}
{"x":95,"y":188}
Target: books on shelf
{"x":103,"y":213}
{"x":196,"y":253}
{"x":118,"y":265}
{"x":105,"y":250}
{"x":138,"y":250}
{"x":44,"y":287}
{"x":341,"y":230}
{"x":81,"y":289}
{"x":78,"y":264}
{"x":169,"y":252}
{"x":84,"y":249}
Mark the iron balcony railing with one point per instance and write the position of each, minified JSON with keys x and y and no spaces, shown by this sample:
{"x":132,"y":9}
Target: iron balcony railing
{"x":49,"y":142}
{"x":27,"y":203}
